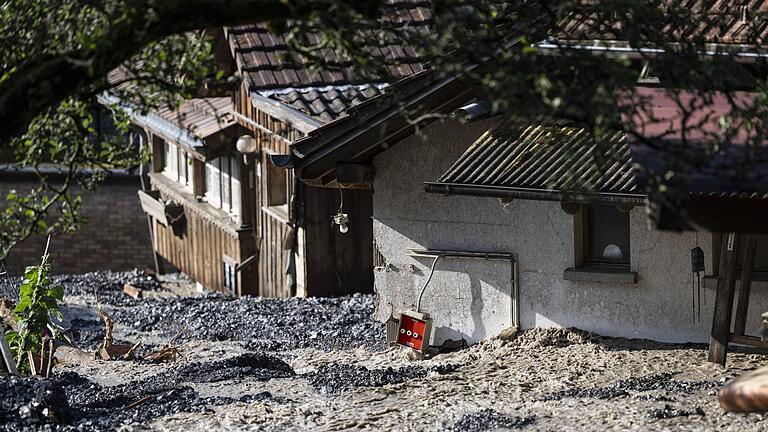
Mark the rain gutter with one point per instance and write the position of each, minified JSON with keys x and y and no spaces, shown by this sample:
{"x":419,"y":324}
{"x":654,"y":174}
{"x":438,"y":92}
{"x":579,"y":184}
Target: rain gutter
{"x":532,"y":193}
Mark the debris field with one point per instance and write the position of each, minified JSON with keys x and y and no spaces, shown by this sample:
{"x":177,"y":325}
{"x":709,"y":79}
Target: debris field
{"x":322,"y":364}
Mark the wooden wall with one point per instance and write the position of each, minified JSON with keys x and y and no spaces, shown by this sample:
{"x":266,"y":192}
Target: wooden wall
{"x":199,"y":251}
{"x":270,"y":231}
{"x":335,"y":264}
{"x":338,"y":264}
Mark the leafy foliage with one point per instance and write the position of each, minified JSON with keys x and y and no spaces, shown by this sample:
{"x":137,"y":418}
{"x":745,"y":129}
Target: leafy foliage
{"x":37,"y":307}
{"x":538,"y":58}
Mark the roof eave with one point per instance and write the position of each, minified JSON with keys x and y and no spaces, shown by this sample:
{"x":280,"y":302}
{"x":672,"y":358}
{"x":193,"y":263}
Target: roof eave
{"x":509,"y":192}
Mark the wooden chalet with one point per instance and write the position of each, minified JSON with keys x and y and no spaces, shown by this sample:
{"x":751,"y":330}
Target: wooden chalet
{"x":239,"y":223}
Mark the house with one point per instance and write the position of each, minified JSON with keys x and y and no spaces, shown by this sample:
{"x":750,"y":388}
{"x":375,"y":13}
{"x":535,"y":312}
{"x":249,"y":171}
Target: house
{"x":238,"y":223}
{"x":483,"y":225}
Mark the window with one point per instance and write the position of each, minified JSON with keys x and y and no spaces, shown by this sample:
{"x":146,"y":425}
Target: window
{"x":230,"y":274}
{"x":171,"y":161}
{"x":606,"y":236}
{"x":222,"y":184}
{"x":277,"y":185}
{"x":184,"y":171}
{"x":213,"y":183}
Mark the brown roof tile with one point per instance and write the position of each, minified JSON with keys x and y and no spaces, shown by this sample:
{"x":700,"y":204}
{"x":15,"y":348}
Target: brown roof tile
{"x":266,"y":63}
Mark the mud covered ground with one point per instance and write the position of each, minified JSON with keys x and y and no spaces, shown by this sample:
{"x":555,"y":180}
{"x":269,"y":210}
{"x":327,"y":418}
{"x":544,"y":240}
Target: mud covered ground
{"x":321,"y":364}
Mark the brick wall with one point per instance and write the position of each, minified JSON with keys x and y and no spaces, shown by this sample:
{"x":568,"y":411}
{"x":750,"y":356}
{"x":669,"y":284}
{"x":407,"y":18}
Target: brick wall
{"x":115,"y":236}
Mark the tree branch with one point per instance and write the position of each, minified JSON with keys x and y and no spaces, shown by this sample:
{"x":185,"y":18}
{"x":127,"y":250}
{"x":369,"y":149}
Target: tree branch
{"x":43,"y":81}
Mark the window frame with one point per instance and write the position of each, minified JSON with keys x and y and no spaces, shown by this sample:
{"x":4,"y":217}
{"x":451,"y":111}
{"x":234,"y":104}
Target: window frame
{"x":588,"y":239}
{"x":224,"y":182}
{"x":279,"y":211}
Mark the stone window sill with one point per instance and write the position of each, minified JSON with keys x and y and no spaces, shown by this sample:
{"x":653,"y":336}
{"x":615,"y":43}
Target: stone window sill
{"x":602,"y":274}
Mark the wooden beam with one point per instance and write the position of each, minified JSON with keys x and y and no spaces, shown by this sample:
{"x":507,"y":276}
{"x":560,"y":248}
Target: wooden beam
{"x":354,"y":174}
{"x":752,"y":341}
{"x":742,"y":305}
{"x":726,"y":283}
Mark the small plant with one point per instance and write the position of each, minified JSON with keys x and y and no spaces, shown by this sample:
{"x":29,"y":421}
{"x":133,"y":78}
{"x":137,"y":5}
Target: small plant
{"x":38,"y":305}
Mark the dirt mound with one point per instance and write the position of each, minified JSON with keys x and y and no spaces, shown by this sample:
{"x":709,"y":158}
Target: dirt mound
{"x":558,"y":337}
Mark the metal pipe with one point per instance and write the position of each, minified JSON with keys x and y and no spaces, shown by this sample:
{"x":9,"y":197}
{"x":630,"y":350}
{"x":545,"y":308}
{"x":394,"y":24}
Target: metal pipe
{"x":488,"y":256}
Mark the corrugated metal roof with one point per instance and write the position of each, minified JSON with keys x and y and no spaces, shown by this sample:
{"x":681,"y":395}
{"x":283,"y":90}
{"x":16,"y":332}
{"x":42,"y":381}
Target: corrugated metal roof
{"x":535,"y":155}
{"x":265,"y":61}
{"x":325,"y":104}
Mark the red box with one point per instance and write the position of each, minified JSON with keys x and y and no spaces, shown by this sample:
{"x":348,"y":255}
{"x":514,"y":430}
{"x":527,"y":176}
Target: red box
{"x":414,"y":330}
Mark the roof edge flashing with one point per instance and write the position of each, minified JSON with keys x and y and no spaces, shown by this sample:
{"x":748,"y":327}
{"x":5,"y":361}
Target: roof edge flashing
{"x":532,"y":193}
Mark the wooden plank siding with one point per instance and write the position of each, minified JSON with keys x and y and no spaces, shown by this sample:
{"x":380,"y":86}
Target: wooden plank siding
{"x":199,"y":251}
{"x":270,"y":232}
{"x":334,"y":263}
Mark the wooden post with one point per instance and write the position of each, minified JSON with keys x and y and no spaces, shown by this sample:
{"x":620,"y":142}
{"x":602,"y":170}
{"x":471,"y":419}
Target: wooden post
{"x":726,"y":284}
{"x":742,"y":305}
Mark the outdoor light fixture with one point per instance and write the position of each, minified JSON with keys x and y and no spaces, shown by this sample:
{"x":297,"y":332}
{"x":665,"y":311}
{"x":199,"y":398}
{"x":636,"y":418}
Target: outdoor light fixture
{"x":247,"y":144}
{"x":340,"y":218}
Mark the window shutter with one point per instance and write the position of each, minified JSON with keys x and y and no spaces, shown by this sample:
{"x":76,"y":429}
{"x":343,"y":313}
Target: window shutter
{"x":235,"y":175}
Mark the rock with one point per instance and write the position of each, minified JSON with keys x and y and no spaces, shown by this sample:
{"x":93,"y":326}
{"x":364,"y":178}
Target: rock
{"x":52,"y":402}
{"x":747,"y":393}
{"x":509,"y":333}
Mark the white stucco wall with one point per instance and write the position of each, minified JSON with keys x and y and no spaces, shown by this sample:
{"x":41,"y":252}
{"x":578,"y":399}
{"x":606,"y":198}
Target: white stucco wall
{"x":471,"y":299}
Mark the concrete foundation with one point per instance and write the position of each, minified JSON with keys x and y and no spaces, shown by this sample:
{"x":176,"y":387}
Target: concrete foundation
{"x":471,"y":299}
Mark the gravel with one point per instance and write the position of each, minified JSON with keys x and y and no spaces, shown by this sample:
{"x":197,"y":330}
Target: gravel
{"x":626,"y":387}
{"x":273,"y":324}
{"x":335,"y":378}
{"x":488,"y":420}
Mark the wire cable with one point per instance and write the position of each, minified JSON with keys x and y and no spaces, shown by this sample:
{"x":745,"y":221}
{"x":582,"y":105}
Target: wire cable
{"x":429,"y":278}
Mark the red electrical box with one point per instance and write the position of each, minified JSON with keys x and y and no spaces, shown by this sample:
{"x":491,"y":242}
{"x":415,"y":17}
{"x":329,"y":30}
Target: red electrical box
{"x":414,"y":330}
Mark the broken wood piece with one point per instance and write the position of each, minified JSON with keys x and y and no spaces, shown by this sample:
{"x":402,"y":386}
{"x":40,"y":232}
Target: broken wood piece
{"x":166,"y":354}
{"x":132,"y":291}
{"x":113,"y":352}
{"x":138,"y":402}
{"x":747,"y":393}
{"x":129,"y":354}
{"x":38,"y":362}
{"x":108,"y":325}
{"x":7,"y":362}
{"x":50,"y":359}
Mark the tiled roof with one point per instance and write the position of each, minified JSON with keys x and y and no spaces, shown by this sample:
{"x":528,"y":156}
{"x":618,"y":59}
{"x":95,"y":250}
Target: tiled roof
{"x":722,"y":22}
{"x":325,"y":103}
{"x":201,"y":116}
{"x":549,"y":157}
{"x":266,"y":63}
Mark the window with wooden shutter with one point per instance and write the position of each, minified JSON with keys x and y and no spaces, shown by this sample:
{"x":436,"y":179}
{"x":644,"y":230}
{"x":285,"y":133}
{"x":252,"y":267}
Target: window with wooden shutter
{"x":213,"y":183}
{"x":171,"y":168}
{"x":235,"y":186}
